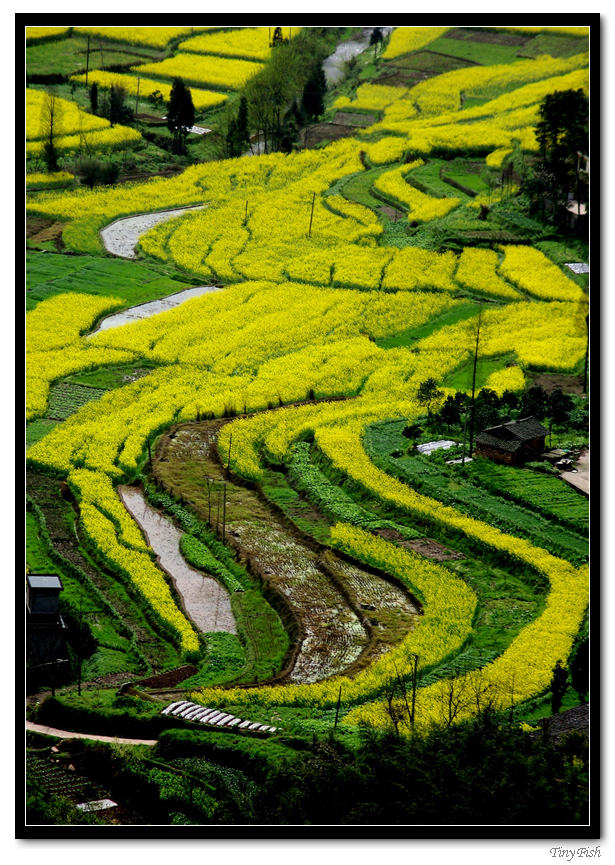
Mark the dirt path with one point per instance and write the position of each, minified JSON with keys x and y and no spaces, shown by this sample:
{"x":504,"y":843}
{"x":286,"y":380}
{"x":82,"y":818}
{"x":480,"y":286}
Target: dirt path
{"x":68,"y":734}
{"x":205,"y":601}
{"x":580,"y":478}
{"x":347,"y":615}
{"x":121,"y":237}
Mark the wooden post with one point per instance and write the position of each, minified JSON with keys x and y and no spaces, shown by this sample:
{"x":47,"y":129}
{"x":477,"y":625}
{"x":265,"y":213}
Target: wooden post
{"x":80,"y":644}
{"x":465,"y":426}
{"x":586,"y":357}
{"x":87,"y":62}
{"x":337,"y":710}
{"x":414,"y":681}
{"x":137,"y":100}
{"x":312,"y":214}
{"x":218,"y":515}
{"x":230,"y":442}
{"x":224,"y":515}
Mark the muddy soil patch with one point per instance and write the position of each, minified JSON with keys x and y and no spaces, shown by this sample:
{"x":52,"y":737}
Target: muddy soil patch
{"x":45,"y":230}
{"x":391,"y":212}
{"x":332,"y":634}
{"x":557,"y":381}
{"x":424,"y":546}
{"x":331,"y":602}
{"x":169,"y":679}
{"x":351,"y":118}
{"x":488,"y":36}
{"x":204,"y":600}
{"x":319,"y":132}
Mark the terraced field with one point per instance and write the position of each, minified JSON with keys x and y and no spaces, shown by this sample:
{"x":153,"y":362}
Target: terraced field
{"x":267,"y":420}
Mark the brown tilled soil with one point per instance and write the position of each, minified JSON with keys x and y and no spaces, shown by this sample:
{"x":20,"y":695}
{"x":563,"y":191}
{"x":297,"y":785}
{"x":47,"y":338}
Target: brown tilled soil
{"x":320,"y":132}
{"x":391,"y":212}
{"x":425,"y":546}
{"x":169,"y":679}
{"x":40,"y":230}
{"x":481,"y":35}
{"x":331,"y":603}
{"x":559,"y":725}
{"x":551,"y":381}
{"x":352,"y":118}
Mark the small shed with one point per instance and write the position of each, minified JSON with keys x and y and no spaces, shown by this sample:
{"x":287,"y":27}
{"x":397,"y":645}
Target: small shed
{"x":43,"y":594}
{"x":513,"y":442}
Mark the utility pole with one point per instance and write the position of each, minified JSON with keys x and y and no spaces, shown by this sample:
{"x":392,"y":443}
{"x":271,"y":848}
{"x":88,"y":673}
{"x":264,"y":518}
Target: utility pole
{"x":80,"y":644}
{"x":472,"y":410}
{"x":224,"y":515}
{"x":465,"y":426}
{"x":337,"y":710}
{"x":415,"y":659}
{"x":230,"y":442}
{"x":312,"y":214}
{"x":586,"y":357}
{"x":87,"y":62}
{"x":137,"y":100}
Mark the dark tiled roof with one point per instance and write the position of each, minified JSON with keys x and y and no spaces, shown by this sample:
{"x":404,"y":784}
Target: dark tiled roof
{"x":510,"y":436}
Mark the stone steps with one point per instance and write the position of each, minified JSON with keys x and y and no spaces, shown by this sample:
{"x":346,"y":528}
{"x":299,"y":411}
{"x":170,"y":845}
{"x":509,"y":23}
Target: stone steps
{"x":198,"y":714}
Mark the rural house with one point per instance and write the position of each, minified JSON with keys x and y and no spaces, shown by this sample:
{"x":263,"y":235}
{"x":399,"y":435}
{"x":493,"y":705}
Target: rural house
{"x":513,"y":442}
{"x":45,"y":630}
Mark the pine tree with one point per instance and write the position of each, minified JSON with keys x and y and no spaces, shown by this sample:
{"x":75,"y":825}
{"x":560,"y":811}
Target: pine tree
{"x":313,"y":100}
{"x":180,"y":114}
{"x":94,"y":97}
{"x":558,"y":686}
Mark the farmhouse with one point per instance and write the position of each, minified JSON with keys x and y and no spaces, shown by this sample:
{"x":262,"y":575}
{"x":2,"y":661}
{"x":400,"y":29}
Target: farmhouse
{"x":513,"y":442}
{"x":45,"y":629}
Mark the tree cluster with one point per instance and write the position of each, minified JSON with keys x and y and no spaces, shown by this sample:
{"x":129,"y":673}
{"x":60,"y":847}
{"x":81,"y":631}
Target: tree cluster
{"x":482,"y":772}
{"x":562,"y":133}
{"x":557,"y":408}
{"x":289,"y":90}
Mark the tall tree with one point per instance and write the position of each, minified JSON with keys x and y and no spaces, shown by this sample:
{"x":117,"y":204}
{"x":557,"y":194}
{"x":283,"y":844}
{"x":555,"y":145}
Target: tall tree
{"x":579,"y":670}
{"x":94,"y":97}
{"x":238,"y":137}
{"x":535,"y":402}
{"x":50,"y":119}
{"x":180,"y":114}
{"x":558,"y":686}
{"x":117,"y":105}
{"x":428,"y":394}
{"x":375,"y":39}
{"x":313,"y":100}
{"x":562,"y":133}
